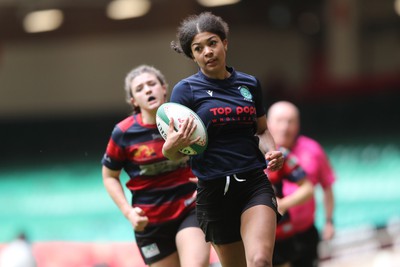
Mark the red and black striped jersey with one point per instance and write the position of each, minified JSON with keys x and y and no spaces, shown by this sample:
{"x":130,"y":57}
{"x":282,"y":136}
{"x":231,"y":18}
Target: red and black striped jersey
{"x":159,"y":186}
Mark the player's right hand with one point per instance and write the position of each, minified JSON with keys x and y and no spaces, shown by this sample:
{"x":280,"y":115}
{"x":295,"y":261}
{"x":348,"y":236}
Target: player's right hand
{"x":138,"y":219}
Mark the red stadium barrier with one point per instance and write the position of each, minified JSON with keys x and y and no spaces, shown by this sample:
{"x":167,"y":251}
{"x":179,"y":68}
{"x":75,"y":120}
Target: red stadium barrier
{"x":77,"y":254}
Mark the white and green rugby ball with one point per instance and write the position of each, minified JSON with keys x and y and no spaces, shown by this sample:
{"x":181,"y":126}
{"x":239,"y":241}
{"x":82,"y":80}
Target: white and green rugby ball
{"x":179,"y":113}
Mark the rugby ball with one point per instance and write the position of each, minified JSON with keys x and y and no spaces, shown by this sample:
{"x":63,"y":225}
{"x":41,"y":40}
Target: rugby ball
{"x":179,"y":113}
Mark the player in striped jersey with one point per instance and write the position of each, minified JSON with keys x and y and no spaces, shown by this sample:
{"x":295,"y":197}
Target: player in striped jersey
{"x":162,"y":207}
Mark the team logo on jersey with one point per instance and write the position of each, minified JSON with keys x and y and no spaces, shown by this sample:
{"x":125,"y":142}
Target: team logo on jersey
{"x":244,"y":91}
{"x":144,"y":151}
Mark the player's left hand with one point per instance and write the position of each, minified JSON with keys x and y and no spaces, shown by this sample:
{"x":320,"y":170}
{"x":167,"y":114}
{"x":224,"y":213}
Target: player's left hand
{"x":275,"y":160}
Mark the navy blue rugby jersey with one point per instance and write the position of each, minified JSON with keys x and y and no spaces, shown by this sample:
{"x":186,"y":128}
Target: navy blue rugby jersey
{"x":159,"y":186}
{"x":229,"y":109}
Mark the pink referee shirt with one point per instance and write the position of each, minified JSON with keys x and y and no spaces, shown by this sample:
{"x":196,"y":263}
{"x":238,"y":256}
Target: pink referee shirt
{"x":315,"y":163}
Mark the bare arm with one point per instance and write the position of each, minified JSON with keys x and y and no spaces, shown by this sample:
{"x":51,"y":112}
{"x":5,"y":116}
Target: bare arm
{"x":329,"y":204}
{"x":112,"y":183}
{"x":267,"y":145}
{"x":301,"y":195}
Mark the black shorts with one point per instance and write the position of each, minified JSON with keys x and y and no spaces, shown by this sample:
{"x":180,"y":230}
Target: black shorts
{"x":307,"y":246}
{"x":158,"y":242}
{"x":284,"y":251}
{"x":221,"y":202}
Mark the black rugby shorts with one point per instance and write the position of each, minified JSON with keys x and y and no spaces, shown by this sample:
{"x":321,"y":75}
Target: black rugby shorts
{"x":220,"y":203}
{"x":157,"y":242}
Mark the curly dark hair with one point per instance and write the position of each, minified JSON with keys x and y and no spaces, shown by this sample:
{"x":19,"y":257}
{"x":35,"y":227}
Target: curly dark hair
{"x":194,"y":24}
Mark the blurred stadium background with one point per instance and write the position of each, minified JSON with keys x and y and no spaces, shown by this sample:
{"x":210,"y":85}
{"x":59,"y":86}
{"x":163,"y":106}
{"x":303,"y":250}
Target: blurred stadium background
{"x":61,"y":92}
